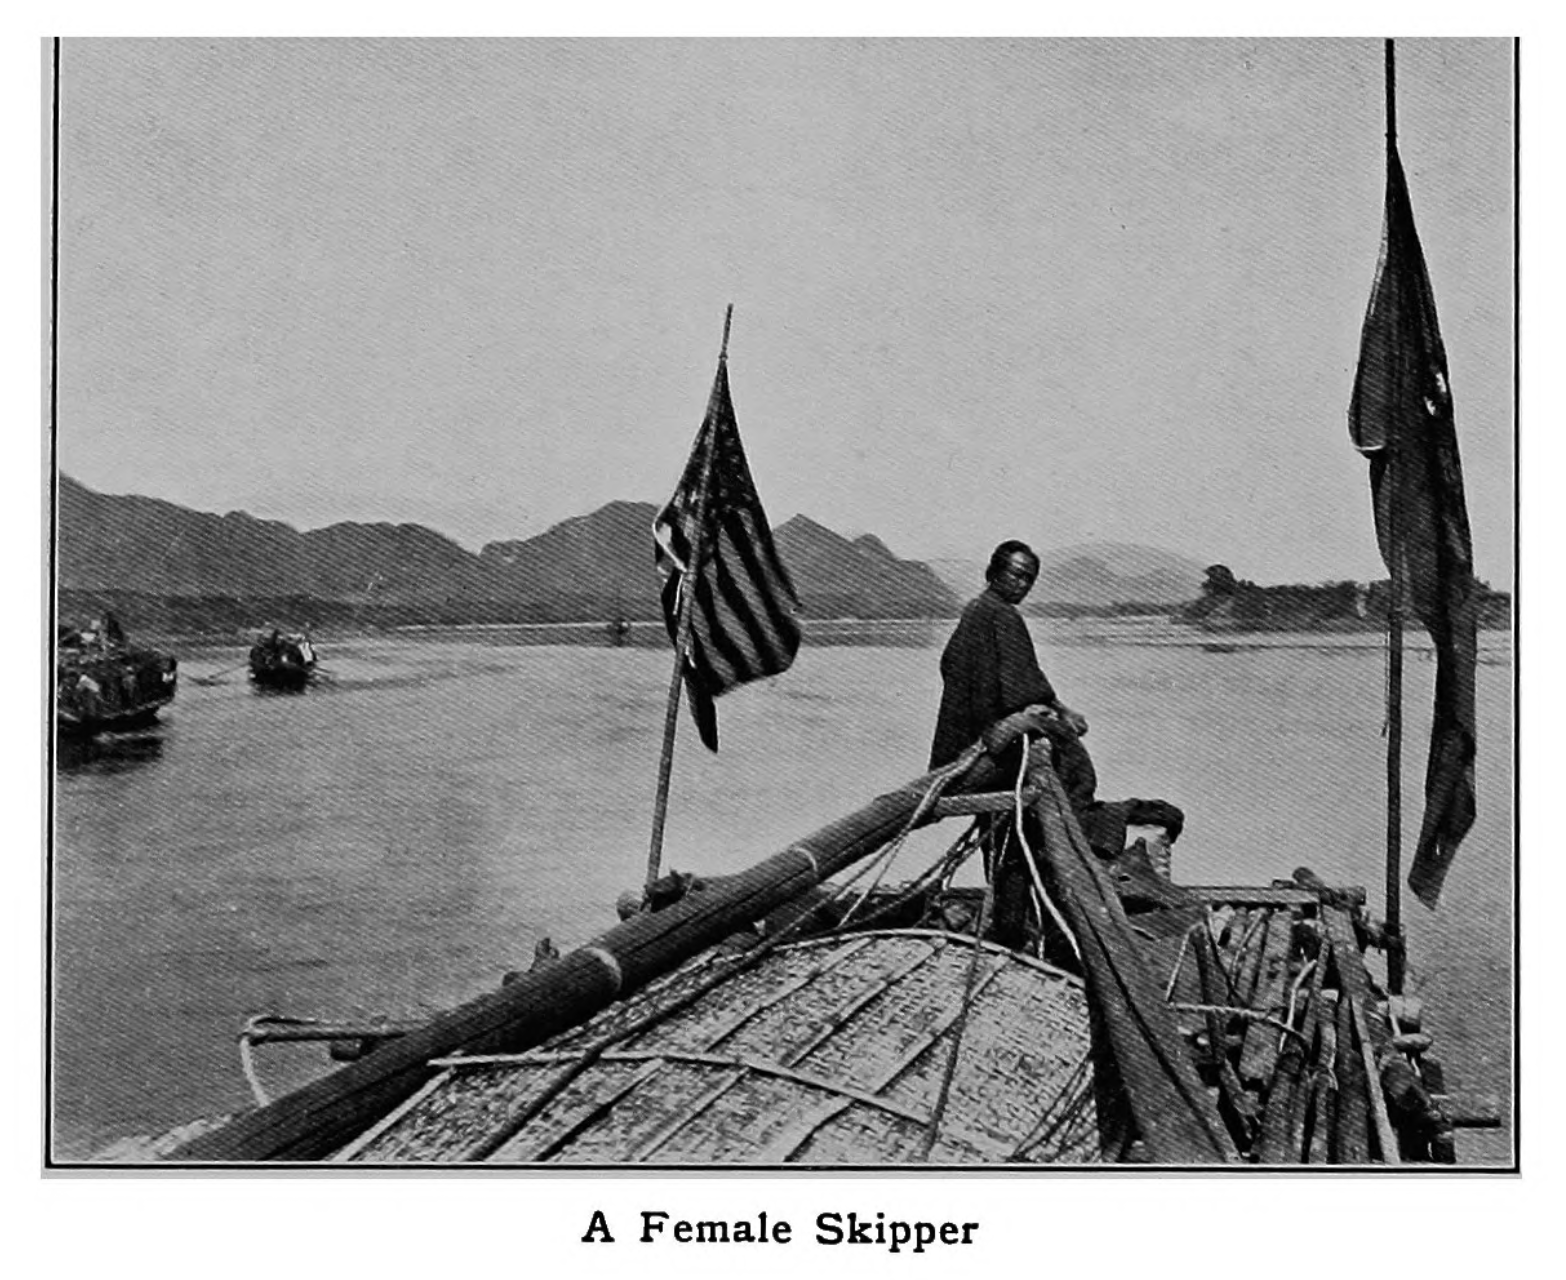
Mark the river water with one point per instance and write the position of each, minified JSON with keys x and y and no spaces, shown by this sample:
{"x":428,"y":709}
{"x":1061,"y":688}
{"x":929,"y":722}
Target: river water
{"x":398,"y":836}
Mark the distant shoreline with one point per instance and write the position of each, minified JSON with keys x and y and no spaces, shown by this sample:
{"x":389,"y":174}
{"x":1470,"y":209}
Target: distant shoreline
{"x":1138,"y":631}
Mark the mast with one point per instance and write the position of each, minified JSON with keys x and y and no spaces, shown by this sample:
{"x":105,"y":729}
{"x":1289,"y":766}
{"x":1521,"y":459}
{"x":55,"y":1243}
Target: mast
{"x":671,"y":714}
{"x":1393,"y":479}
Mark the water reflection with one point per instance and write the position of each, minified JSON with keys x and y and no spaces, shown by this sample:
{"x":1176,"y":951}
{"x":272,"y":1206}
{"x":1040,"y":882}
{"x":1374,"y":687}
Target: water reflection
{"x":107,"y":753}
{"x":279,"y":690}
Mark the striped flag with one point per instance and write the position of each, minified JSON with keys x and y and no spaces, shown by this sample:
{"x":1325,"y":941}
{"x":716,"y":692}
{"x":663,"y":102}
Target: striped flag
{"x":743,"y":623}
{"x":1400,"y":417}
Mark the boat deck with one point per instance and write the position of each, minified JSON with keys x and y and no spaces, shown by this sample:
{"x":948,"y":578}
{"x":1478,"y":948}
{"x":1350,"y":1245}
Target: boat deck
{"x":828,"y":1052}
{"x":1269,"y":988}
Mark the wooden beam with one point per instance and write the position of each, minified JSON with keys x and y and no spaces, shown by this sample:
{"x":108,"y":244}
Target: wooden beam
{"x":1260,"y":1052}
{"x":1372,"y":1036}
{"x":1240,"y":895}
{"x":1174,"y":1115}
{"x":979,"y":802}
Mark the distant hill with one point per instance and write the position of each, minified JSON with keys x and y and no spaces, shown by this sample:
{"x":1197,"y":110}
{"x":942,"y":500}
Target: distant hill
{"x":1093,"y":574}
{"x":595,"y":566}
{"x":837,"y":578}
{"x":1106,"y":573}
{"x":149,"y":546}
{"x":153,"y":559}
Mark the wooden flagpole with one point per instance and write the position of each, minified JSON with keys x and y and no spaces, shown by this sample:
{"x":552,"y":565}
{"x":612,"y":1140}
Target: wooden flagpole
{"x":671,"y":716}
{"x":1393,"y":476}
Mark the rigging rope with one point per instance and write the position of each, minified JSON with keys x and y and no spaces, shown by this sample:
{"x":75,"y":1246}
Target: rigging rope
{"x":247,"y":1062}
{"x":1038,"y":882}
{"x":932,"y":1131}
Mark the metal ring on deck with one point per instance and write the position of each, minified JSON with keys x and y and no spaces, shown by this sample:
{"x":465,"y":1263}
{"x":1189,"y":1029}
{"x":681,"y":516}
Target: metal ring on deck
{"x":609,"y":963}
{"x":815,"y":865}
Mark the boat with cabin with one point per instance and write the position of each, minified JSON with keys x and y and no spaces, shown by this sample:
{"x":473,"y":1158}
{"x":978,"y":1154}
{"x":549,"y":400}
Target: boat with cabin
{"x":105,"y":684}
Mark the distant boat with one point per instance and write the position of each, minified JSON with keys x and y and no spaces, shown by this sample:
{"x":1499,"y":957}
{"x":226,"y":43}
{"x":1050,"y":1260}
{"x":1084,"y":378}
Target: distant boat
{"x":619,"y":631}
{"x":282,"y":660}
{"x":103,"y":684}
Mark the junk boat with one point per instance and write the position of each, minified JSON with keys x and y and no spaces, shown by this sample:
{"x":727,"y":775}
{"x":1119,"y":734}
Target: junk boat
{"x":104,"y":684}
{"x":282,"y":661}
{"x":781,"y":1017}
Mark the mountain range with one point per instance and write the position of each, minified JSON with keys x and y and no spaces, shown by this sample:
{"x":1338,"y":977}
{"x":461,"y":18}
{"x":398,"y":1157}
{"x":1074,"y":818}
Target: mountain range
{"x":116,"y":548}
{"x":112,"y":548}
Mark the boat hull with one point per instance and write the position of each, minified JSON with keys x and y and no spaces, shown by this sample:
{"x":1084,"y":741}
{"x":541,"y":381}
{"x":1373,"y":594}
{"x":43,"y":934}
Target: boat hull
{"x":271,"y":677}
{"x":282,"y":662}
{"x":112,"y":691}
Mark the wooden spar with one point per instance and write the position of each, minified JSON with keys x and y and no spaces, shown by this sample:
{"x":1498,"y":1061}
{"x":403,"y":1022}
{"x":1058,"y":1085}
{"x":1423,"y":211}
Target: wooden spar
{"x":1299,"y":1138}
{"x":1393,"y":479}
{"x":1210,"y":969}
{"x":682,"y":644}
{"x":1371,"y":1035}
{"x":1174,"y":1116}
{"x":1259,"y":1054}
{"x":317,"y":1119}
{"x":1270,"y":896}
{"x":1351,"y":1133}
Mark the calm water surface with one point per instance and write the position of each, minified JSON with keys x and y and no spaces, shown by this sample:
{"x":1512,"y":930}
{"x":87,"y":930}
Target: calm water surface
{"x":394,"y":839}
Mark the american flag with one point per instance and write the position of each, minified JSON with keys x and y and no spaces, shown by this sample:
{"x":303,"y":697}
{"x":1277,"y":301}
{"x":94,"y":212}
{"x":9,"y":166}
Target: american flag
{"x":743,"y":623}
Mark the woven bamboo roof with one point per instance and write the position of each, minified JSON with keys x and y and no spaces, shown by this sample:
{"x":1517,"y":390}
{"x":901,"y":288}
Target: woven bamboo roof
{"x":828,"y":1052}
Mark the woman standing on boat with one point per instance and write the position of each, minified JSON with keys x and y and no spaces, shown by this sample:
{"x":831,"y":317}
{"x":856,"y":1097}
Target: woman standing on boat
{"x":990,"y":670}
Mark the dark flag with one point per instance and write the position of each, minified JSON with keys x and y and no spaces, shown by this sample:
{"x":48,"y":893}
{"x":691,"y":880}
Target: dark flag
{"x":1400,"y":417}
{"x":743,"y":623}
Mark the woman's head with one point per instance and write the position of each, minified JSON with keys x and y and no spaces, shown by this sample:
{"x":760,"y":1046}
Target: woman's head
{"x":1012,"y":570}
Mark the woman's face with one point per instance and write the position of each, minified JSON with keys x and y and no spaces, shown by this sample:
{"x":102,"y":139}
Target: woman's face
{"x":1016,"y":577}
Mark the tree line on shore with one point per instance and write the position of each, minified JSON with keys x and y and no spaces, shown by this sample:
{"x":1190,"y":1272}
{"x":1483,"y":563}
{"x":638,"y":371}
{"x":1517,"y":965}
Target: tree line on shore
{"x":1237,"y":603}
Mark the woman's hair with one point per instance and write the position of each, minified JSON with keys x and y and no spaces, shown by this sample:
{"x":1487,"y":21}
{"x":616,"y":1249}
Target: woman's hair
{"x":1003,"y":553}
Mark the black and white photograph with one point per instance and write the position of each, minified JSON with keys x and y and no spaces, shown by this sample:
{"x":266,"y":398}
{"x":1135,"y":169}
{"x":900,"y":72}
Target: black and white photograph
{"x":733,"y":605}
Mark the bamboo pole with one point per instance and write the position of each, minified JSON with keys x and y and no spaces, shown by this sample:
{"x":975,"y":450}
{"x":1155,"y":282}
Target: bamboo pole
{"x":671,"y":714}
{"x":316,"y":1120}
{"x":1393,"y":477}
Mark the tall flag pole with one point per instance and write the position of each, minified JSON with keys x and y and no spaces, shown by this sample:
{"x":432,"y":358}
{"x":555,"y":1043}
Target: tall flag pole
{"x":1397,"y":951}
{"x":728,"y":602}
{"x":1400,"y":417}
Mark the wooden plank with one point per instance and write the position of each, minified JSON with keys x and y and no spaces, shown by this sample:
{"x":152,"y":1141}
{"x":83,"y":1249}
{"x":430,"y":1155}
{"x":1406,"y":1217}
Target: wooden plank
{"x":1272,"y":1141}
{"x":1386,"y":1139}
{"x":1214,"y":992}
{"x":1251,"y":957}
{"x":1309,"y":1024}
{"x":1371,"y":1035}
{"x":1324,"y":1117}
{"x":1260,"y":1051}
{"x":1265,"y":895}
{"x":1233,"y":938}
{"x":1288,"y":1095}
{"x":1351,"y":1133}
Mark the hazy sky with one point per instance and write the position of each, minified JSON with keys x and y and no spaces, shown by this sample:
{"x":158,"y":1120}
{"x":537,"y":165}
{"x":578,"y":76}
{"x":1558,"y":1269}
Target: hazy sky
{"x":1058,"y":290}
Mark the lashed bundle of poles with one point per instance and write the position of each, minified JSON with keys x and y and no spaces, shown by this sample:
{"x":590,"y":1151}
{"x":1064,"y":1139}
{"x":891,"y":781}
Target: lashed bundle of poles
{"x":1306,"y":1058}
